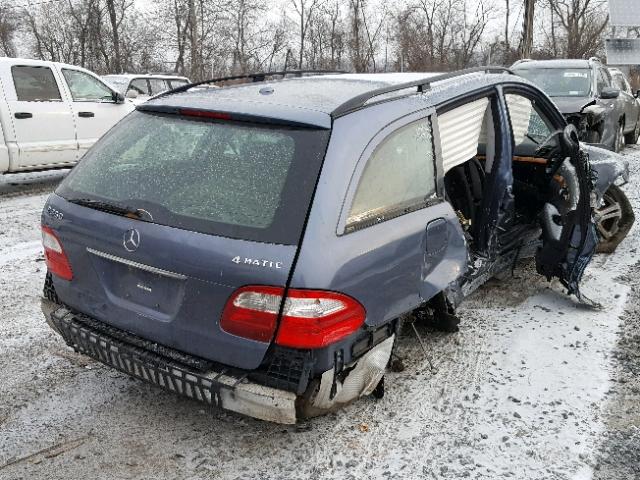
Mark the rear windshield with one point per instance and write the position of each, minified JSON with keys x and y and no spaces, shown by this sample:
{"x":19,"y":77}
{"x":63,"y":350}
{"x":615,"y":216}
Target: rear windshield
{"x":222,"y":178}
{"x":560,"y":82}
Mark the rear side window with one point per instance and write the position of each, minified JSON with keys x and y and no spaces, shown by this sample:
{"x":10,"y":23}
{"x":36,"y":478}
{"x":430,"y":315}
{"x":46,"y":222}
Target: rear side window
{"x":223,"y":178}
{"x":158,"y":85}
{"x":140,"y":86}
{"x":35,"y":84}
{"x":398,"y":178}
{"x":85,"y":88}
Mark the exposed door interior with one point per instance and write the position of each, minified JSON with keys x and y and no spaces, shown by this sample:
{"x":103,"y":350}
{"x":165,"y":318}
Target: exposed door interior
{"x":468,"y":143}
{"x":471,"y":161}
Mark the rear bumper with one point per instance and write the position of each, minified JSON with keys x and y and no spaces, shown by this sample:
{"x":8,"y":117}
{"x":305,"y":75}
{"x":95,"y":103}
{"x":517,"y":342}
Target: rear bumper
{"x":222,"y":387}
{"x":217,"y":385}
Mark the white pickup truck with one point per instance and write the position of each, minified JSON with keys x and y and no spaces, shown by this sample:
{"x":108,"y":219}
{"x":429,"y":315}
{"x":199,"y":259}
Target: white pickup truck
{"x":51,"y":113}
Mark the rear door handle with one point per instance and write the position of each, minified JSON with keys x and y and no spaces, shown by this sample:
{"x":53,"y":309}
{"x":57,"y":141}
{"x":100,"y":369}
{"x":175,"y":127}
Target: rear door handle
{"x":22,"y":115}
{"x":86,"y":114}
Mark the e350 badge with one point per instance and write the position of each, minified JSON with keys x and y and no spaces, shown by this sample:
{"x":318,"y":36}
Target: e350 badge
{"x":258,"y":263}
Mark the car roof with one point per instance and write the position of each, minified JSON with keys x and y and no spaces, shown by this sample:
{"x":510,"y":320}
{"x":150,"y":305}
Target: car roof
{"x":320,"y":93}
{"x":307,"y":100}
{"x":565,"y":63}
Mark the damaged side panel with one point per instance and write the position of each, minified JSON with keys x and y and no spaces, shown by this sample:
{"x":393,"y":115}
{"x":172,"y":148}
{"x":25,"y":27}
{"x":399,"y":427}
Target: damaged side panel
{"x":391,"y":264}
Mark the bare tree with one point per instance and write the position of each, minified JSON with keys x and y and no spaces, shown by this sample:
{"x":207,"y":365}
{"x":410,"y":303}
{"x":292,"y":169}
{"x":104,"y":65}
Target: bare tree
{"x":9,"y":22}
{"x":364,"y":35}
{"x":471,"y":32}
{"x":305,"y":11}
{"x":205,"y":38}
{"x":577,"y":27}
{"x":326,"y":38}
{"x":449,"y":34}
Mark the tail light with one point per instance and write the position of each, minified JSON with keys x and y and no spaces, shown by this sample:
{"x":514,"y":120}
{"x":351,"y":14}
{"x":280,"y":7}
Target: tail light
{"x":252,"y":312}
{"x":57,"y":261}
{"x":310,"y":318}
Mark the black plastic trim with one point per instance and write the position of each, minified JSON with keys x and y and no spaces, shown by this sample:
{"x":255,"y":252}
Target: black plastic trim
{"x":360,"y":101}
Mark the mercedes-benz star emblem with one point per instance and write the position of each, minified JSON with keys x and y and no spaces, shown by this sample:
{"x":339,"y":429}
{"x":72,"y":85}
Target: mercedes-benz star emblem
{"x":131,"y":240}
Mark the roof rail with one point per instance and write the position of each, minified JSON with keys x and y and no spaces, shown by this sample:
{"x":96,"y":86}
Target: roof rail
{"x":360,"y":101}
{"x":253,"y":77}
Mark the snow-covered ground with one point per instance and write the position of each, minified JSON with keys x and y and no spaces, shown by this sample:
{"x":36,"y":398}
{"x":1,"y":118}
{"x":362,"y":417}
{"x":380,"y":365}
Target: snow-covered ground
{"x":532,"y":387}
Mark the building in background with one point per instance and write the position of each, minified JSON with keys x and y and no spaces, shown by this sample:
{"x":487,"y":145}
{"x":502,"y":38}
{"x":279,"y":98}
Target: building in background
{"x":622,"y":50}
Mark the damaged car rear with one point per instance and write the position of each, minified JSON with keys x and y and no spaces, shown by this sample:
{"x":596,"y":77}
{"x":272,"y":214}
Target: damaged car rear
{"x":259,"y":247}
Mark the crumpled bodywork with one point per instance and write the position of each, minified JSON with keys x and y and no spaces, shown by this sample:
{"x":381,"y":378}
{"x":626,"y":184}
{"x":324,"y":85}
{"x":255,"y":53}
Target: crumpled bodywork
{"x":588,"y":115}
{"x":335,"y":391}
{"x":607,"y":166}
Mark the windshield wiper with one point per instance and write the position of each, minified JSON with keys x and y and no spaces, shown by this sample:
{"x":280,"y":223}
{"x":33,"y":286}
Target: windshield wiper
{"x":116,"y":209}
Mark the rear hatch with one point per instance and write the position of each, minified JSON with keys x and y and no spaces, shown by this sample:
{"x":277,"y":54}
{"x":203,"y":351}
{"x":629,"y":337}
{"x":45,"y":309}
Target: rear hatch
{"x":169,"y":214}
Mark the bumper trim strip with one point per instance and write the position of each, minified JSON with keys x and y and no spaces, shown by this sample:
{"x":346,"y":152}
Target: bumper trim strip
{"x":140,"y":266}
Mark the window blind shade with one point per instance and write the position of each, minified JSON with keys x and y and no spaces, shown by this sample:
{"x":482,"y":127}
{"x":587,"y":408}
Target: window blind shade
{"x":460,"y":132}
{"x":520,"y":113}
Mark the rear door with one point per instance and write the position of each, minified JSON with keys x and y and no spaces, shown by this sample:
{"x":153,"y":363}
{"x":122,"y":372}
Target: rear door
{"x":94,"y":107}
{"x":220,"y":205}
{"x":43,"y":131}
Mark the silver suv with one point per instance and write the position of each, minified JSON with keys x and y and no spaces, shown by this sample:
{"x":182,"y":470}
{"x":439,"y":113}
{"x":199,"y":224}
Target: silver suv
{"x":603,"y":109}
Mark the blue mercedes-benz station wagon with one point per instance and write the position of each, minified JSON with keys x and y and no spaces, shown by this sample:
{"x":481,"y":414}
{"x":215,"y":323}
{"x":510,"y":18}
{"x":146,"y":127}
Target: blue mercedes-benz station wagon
{"x":258,"y":246}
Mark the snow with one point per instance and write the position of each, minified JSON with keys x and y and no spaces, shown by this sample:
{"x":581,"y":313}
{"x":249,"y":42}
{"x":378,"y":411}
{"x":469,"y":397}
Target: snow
{"x":521,"y":391}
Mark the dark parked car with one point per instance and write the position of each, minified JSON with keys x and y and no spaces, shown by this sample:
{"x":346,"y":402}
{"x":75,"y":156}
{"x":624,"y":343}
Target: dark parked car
{"x":259,"y":247}
{"x":589,"y":98}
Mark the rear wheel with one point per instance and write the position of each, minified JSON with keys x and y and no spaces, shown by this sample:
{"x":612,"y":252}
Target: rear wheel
{"x":631,"y":138}
{"x":614,"y":219}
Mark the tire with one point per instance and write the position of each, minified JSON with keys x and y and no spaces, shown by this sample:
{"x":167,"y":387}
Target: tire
{"x":631,"y":138}
{"x":614,"y":218}
{"x":618,"y":141}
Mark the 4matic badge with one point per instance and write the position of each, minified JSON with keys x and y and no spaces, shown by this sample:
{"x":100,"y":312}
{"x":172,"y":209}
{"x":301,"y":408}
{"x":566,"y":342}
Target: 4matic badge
{"x":256,"y":262}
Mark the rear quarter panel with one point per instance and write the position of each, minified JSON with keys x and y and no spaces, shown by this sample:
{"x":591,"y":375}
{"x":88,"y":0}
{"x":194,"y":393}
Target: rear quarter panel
{"x":385,"y":266}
